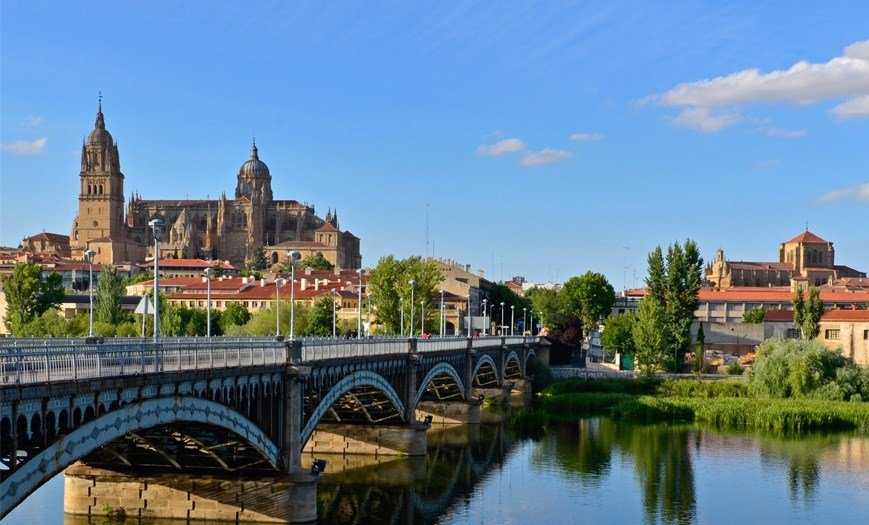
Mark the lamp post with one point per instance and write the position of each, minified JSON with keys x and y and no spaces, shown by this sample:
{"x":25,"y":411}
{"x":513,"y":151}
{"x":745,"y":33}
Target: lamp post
{"x":491,"y":307}
{"x":512,"y":318}
{"x":208,"y":272}
{"x":524,"y":322}
{"x":412,"y":284}
{"x":485,"y":319}
{"x":422,"y":318}
{"x":469,"y":313}
{"x":293,"y":255}
{"x":401,"y":307}
{"x":503,"y":327}
{"x":278,"y":283}
{"x":334,"y":315}
{"x":157,"y":228}
{"x":532,"y":323}
{"x":359,"y":319}
{"x":442,"y":314}
{"x":89,"y":256}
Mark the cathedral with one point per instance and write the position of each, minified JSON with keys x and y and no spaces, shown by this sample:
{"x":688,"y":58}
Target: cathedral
{"x":225,"y":229}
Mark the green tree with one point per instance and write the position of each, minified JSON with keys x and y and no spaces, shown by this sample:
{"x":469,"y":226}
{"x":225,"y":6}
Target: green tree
{"x":673,"y":283}
{"x":799,"y":304}
{"x":547,"y":307}
{"x":499,"y":293}
{"x":389,"y":283}
{"x":264,"y":321}
{"x":110,"y":291}
{"x":320,"y":324}
{"x":814,"y":310}
{"x":649,"y":339}
{"x":235,"y":314}
{"x":316,"y":262}
{"x":589,"y":297}
{"x":48,"y":324}
{"x":258,"y":261}
{"x":754,"y":316}
{"x":700,"y":351}
{"x":618,"y":333}
{"x":139,"y":278}
{"x":29,"y":294}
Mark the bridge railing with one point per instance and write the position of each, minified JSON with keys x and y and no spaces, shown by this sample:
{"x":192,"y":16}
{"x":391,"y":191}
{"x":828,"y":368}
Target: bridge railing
{"x":327,"y":348}
{"x":441,"y":344}
{"x":26,"y":365}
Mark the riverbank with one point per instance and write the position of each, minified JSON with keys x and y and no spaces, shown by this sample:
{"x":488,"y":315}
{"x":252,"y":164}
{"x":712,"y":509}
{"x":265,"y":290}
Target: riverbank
{"x":721,"y":403}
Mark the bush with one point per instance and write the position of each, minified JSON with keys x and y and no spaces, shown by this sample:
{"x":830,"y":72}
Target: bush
{"x":734,"y":369}
{"x":540,"y":373}
{"x":701,"y":388}
{"x":798,"y":368}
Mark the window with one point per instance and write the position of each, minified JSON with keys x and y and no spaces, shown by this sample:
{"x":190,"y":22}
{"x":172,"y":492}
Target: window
{"x":865,"y":334}
{"x":793,"y":333}
{"x":831,"y":333}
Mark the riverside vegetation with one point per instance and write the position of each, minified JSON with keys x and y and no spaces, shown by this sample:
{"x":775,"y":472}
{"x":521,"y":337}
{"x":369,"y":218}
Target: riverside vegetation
{"x":793,"y":386}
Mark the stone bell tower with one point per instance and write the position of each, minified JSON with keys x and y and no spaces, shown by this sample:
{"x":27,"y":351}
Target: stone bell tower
{"x":101,"y":192}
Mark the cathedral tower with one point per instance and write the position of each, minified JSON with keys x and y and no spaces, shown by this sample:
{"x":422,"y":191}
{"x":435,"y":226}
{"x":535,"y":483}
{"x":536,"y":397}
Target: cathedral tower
{"x":101,"y":192}
{"x":254,"y":179}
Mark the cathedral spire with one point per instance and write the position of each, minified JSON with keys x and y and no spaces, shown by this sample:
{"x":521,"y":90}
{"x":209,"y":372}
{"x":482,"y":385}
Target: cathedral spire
{"x":254,"y":153}
{"x":100,"y":123}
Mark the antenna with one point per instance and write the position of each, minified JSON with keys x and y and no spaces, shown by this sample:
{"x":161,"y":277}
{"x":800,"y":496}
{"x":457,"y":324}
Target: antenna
{"x":625,"y":264}
{"x":426,"y":229}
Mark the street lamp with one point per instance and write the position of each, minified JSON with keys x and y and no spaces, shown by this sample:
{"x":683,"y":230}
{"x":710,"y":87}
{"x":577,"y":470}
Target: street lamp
{"x":412,"y":284}
{"x":422,"y":318}
{"x":157,"y":228}
{"x":442,"y":314}
{"x":532,"y":324}
{"x":469,"y":313}
{"x":485,"y":328}
{"x":491,"y":307}
{"x":502,"y":329}
{"x":334,"y":316}
{"x":278,"y":283}
{"x":293,"y":255}
{"x":524,"y":322}
{"x":512,"y":318}
{"x":359,"y":316}
{"x":401,"y":307}
{"x":89,"y":257}
{"x":208,"y":272}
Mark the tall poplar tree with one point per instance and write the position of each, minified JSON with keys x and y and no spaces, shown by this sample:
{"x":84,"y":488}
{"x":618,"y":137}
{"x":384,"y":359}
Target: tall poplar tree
{"x":110,"y":291}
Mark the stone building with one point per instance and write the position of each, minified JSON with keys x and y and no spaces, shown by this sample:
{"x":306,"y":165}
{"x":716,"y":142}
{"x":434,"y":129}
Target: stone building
{"x":806,"y":259}
{"x":225,"y":228}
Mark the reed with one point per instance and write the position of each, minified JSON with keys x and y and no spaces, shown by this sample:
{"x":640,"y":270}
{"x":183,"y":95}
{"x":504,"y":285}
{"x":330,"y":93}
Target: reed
{"x":582,"y":403}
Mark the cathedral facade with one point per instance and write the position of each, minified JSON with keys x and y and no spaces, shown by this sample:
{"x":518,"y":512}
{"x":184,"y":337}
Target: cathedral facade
{"x":224,"y":228}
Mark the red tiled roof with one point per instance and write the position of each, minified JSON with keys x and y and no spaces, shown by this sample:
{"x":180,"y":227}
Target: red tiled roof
{"x":53,"y":237}
{"x":779,"y":316}
{"x":327,"y":227}
{"x":777,"y":294}
{"x":171,"y":281}
{"x":193,"y":264}
{"x":755,"y":265}
{"x":807,"y":236}
{"x":845,"y":315}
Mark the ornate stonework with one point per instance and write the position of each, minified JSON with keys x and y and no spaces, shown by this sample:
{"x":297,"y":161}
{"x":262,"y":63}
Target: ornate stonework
{"x":226,"y":229}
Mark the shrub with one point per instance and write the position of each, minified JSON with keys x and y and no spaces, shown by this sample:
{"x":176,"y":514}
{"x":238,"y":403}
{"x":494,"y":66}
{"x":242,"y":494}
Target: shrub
{"x":540,"y":373}
{"x":734,"y":369}
{"x":701,"y":388}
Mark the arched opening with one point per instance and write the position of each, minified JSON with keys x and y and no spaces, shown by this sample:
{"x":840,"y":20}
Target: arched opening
{"x":485,"y":375}
{"x":441,"y":383}
{"x":50,"y":427}
{"x":6,"y":439}
{"x":76,"y":417}
{"x":513,"y":368}
{"x":63,"y":422}
{"x":88,"y":414}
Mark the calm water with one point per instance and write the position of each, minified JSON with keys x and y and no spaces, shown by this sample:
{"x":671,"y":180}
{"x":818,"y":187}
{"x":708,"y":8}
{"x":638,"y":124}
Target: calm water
{"x":590,"y":471}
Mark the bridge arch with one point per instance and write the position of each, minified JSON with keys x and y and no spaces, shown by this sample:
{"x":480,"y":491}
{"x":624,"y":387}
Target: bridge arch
{"x":98,"y":432}
{"x":513,"y":366}
{"x":437,"y":370}
{"x":486,"y":360}
{"x":361,"y":378}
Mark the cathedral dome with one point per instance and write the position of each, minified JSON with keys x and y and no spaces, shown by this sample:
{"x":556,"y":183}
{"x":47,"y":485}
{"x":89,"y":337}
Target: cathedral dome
{"x":99,"y":135}
{"x":253,"y":167}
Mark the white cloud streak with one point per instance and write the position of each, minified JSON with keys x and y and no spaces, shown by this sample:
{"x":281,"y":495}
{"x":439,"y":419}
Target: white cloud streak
{"x":587,"y":136}
{"x":545,"y":156}
{"x":505,"y":146}
{"x":784,"y":133}
{"x":765,"y":165}
{"x":23,"y":147}
{"x":858,"y":193}
{"x":704,"y":119}
{"x":843,"y":77}
{"x":34,"y":121}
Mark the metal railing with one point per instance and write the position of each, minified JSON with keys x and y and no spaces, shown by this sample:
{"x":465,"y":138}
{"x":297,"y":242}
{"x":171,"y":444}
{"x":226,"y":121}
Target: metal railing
{"x":37,"y":363}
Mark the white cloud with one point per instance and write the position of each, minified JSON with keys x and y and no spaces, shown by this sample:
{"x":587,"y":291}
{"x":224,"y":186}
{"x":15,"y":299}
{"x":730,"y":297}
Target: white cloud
{"x":704,"y":119}
{"x":23,"y":147}
{"x":765,"y":165}
{"x":783,"y":133}
{"x":504,"y":146}
{"x":587,"y":136}
{"x":34,"y":121}
{"x":857,"y":193}
{"x":843,"y":77}
{"x":546,"y":156}
{"x":856,"y":107}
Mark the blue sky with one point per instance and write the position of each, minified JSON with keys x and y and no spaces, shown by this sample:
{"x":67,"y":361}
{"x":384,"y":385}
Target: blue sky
{"x":547,"y":135}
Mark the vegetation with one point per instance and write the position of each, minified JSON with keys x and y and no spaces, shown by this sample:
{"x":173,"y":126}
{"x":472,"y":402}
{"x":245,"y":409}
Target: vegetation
{"x":258,"y":261}
{"x":529,"y":423}
{"x":316,"y":262}
{"x":574,"y":404}
{"x":29,"y":294}
{"x":673,"y":284}
{"x":618,"y":334}
{"x":576,"y":385}
{"x":389,"y":284}
{"x":546,"y":305}
{"x":499,"y":293}
{"x":805,"y":369}
{"x":703,"y":389}
{"x":650,"y":340}
{"x":235,"y":314}
{"x":589,"y":297}
{"x":110,"y":291}
{"x":321,"y":317}
{"x":754,"y":316}
{"x":139,"y":278}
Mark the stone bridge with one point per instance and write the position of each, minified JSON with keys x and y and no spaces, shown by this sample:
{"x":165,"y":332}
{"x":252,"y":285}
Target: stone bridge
{"x":247,"y":406}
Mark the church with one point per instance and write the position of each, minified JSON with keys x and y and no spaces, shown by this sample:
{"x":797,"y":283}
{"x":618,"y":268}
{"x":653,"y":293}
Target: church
{"x":806,"y":260}
{"x":225,"y":229}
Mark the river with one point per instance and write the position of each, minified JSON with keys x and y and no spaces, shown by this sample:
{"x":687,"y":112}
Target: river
{"x":593,"y":470}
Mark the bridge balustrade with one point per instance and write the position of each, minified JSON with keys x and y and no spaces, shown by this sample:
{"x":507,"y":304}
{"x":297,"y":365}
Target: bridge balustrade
{"x":441,"y":344}
{"x":36,"y":364}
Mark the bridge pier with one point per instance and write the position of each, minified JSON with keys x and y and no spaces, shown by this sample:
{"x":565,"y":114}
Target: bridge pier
{"x":97,"y":492}
{"x":450,"y":412}
{"x":379,"y":440}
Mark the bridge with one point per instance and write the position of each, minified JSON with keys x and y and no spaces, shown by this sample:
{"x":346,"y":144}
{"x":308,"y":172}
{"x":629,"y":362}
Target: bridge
{"x":242,"y":406}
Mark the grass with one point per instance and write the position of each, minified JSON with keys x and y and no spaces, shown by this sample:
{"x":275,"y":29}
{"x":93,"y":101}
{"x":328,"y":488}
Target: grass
{"x":722,"y":403}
